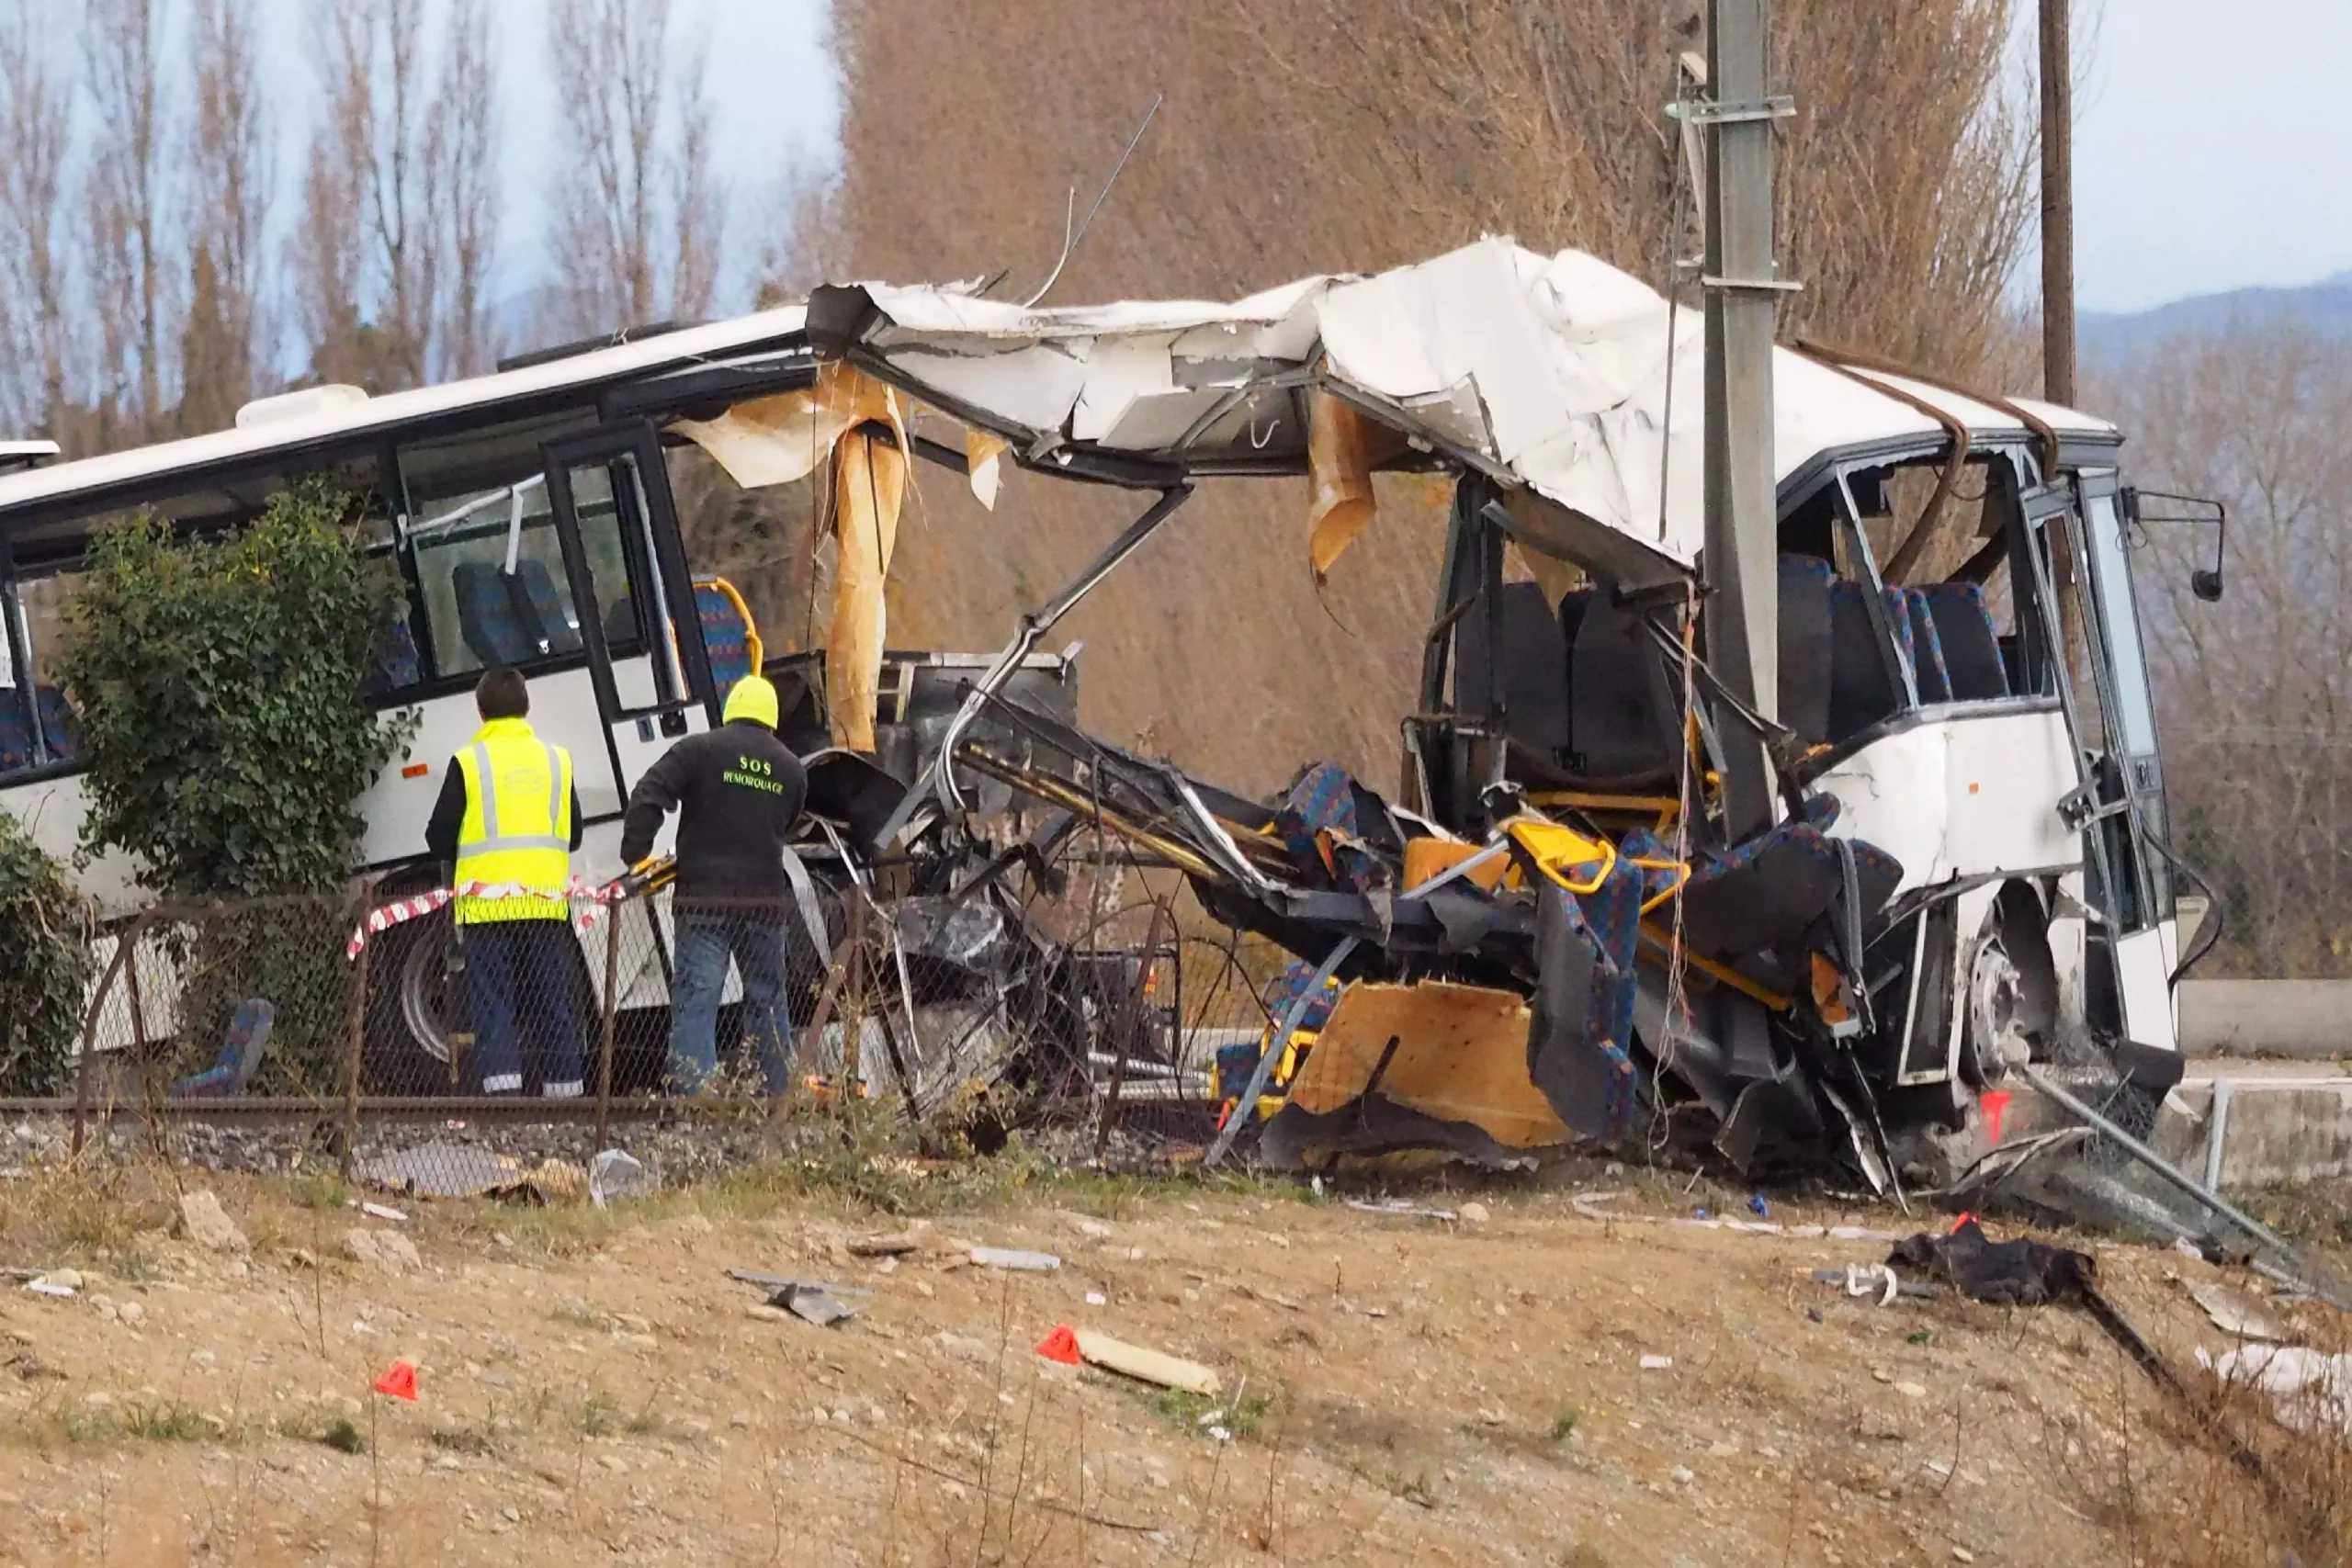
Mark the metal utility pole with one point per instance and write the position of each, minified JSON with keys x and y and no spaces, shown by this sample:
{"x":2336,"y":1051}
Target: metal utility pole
{"x":2057,"y":205}
{"x":1743,"y":285}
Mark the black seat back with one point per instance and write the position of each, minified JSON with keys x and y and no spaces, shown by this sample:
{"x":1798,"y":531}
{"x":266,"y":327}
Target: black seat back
{"x":1623,"y":716}
{"x":1805,"y":645}
{"x":1534,"y":669}
{"x":1862,"y":690}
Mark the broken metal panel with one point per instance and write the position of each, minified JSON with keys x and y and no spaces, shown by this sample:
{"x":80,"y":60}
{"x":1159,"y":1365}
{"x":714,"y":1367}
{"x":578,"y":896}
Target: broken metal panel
{"x":1547,"y":373}
{"x":1454,"y":1052}
{"x":1961,"y":794}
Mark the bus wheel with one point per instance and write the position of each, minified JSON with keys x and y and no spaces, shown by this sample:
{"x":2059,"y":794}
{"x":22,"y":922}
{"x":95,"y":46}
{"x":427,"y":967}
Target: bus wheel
{"x":2010,"y":1004}
{"x":408,"y":1011}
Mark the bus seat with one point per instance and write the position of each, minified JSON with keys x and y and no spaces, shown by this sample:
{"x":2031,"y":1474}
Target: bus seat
{"x":489,"y":618}
{"x":397,"y":665}
{"x":1862,"y":689}
{"x":1928,"y":657}
{"x":16,"y":736}
{"x":731,"y":637}
{"x":1535,"y":670}
{"x":1971,"y":648}
{"x":555,"y":620}
{"x":1623,"y":721}
{"x":1806,"y":645}
{"x":58,"y":728}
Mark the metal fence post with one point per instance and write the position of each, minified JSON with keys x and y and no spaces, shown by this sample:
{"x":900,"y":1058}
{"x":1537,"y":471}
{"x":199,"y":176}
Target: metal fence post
{"x":354,"y":1053}
{"x":125,"y":946}
{"x":612,"y":1010}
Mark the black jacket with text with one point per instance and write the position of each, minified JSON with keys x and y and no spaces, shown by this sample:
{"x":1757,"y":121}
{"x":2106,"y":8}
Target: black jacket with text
{"x":738,"y":790}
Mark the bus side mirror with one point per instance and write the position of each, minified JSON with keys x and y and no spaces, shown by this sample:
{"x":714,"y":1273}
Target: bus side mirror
{"x":2205,"y":581}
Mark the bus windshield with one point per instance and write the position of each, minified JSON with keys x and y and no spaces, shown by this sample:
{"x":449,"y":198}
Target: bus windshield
{"x":2133,"y":724}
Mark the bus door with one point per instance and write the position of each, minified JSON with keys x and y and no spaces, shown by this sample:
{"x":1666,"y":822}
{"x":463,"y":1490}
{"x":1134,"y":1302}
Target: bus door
{"x":2114,"y":744}
{"x":619,"y":536}
{"x":2132,"y":773}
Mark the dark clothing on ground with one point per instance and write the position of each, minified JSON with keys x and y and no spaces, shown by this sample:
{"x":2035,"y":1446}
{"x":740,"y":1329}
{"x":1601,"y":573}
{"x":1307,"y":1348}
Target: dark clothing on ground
{"x":738,"y":790}
{"x":449,"y":816}
{"x":520,"y":979}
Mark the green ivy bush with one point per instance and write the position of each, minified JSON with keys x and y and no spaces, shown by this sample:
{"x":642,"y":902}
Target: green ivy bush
{"x":46,"y":966}
{"x":219,"y":686}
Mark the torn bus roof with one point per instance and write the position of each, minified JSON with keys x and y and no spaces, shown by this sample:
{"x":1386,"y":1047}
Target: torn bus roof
{"x":1549,"y":373}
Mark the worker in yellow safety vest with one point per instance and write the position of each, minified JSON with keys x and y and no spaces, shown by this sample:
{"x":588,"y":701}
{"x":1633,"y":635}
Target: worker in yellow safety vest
{"x":509,"y":818}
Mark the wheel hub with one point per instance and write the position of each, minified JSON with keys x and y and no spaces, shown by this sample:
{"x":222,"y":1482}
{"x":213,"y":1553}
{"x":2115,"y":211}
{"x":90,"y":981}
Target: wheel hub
{"x":1997,"y":1039}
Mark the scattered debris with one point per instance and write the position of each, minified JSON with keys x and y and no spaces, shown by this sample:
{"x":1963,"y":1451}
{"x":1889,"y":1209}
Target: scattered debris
{"x":205,"y":1224}
{"x":896,"y":1245}
{"x":386,"y":1250}
{"x":2008,"y":1273}
{"x":1474,"y":1214}
{"x":1874,"y":1279}
{"x":1015,"y":1259}
{"x":440,"y":1170}
{"x":384,"y":1212}
{"x":1411,"y":1211}
{"x":614,"y":1174}
{"x":62,"y":1283}
{"x":2232,"y":1314}
{"x":2310,"y":1390}
{"x":1657,"y":1363}
{"x":1069,"y":1346}
{"x":1096,"y":1299}
{"x":812,"y":1303}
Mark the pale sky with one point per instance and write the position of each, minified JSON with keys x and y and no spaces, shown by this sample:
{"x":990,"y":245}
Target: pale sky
{"x":2210,"y":148}
{"x":2207,"y":142}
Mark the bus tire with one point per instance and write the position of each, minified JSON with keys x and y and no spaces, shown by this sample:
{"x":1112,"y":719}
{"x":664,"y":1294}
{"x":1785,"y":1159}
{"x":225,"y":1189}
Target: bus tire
{"x":408,"y":1020}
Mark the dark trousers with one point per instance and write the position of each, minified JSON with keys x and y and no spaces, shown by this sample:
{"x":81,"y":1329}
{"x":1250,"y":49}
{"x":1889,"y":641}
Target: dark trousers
{"x":707,"y":938}
{"x":519,"y":975}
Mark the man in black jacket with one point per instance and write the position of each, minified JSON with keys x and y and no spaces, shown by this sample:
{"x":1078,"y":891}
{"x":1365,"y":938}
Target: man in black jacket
{"x":738,"y":790}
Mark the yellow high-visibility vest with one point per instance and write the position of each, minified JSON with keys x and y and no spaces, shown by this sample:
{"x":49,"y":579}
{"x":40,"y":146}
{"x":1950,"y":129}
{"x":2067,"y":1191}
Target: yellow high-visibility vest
{"x":517,"y":830}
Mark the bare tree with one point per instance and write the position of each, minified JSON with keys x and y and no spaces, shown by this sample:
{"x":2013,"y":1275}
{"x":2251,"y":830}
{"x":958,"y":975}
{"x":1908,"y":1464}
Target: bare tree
{"x":641,"y":216}
{"x":461,"y":152}
{"x":402,"y":215}
{"x":229,"y":183}
{"x":2255,"y":693}
{"x":39,"y":284}
{"x":129,"y":235}
{"x":326,"y":253}
{"x":1347,"y":135}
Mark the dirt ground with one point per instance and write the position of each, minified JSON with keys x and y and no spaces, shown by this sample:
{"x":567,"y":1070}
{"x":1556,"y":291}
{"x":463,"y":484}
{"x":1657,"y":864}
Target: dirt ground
{"x":1397,"y":1388}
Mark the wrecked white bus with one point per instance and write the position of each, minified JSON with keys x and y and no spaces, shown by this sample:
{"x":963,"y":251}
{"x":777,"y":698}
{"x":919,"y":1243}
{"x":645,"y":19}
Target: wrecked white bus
{"x":531,"y":517}
{"x":1970,"y":869}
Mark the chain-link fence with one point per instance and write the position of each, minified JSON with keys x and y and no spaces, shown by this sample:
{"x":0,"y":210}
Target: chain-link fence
{"x":414,"y":1038}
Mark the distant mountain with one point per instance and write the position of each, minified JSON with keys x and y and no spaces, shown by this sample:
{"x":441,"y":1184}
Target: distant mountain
{"x":2325,"y":305}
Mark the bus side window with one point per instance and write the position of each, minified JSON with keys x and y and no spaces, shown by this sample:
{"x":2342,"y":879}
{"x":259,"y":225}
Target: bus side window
{"x":463,"y":499}
{"x":31,"y":701}
{"x":398,"y":666}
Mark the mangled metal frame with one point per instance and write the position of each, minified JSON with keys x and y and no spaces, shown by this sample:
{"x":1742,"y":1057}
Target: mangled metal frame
{"x":1504,"y":497}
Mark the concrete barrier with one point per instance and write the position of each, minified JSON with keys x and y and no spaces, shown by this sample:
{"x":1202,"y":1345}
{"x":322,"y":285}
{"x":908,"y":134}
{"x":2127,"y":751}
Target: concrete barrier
{"x":2267,"y":1018}
{"x":2272,"y":1130}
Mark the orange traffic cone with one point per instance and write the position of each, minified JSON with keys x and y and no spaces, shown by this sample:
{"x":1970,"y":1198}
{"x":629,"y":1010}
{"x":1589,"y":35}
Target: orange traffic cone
{"x":400,"y":1381}
{"x":1061,"y":1346}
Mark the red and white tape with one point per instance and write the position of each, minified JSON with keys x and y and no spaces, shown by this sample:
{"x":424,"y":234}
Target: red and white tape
{"x":400,"y":911}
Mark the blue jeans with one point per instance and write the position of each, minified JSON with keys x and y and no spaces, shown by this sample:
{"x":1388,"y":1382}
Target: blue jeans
{"x":519,"y":975}
{"x":705,"y":940}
